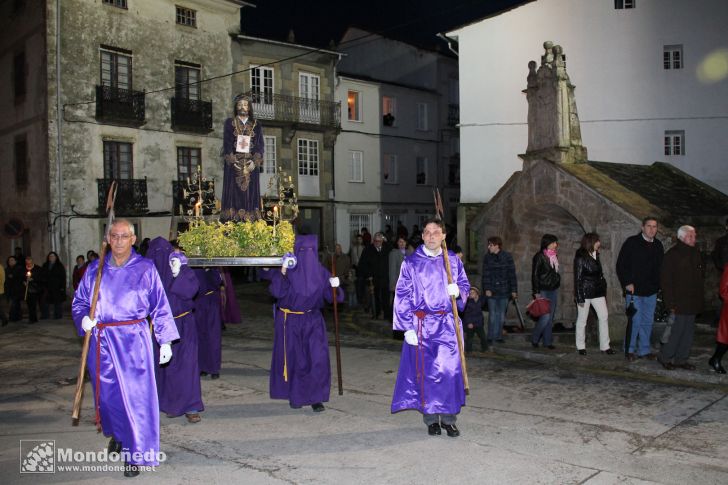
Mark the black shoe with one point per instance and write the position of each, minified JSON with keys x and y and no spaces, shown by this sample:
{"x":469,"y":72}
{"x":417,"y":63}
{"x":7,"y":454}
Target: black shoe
{"x":130,"y":470}
{"x":582,"y":351}
{"x":715,"y":365}
{"x":114,"y":446}
{"x":609,"y":352}
{"x":214,"y":376}
{"x":318,"y":407}
{"x":434,"y":429}
{"x":452,"y":430}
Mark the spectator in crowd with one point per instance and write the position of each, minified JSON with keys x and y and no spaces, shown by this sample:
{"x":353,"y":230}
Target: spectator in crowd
{"x":473,"y":321}
{"x":638,"y":270}
{"x":374,"y":264}
{"x":388,"y":233}
{"x":682,"y":278}
{"x":355,"y":251}
{"x":78,"y":270}
{"x":14,"y":278}
{"x":32,"y":288}
{"x":721,"y":338}
{"x":343,"y":267}
{"x":19,"y":256}
{"x":366,"y":236}
{"x":499,"y":284}
{"x":415,"y":237}
{"x":590,"y":290}
{"x":401,"y":230}
{"x":545,"y":282}
{"x":54,"y":277}
{"x":396,"y":256}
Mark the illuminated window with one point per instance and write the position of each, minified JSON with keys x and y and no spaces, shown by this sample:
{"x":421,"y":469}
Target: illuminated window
{"x":353,"y":102}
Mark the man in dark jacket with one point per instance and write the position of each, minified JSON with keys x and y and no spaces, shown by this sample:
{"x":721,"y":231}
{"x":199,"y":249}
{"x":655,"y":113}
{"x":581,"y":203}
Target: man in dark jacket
{"x":499,"y":284}
{"x":374,"y":263}
{"x":682,"y":278}
{"x":638,"y":270}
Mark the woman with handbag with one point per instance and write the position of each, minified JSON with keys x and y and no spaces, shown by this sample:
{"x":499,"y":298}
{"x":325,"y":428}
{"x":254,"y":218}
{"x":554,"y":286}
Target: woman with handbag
{"x":545,"y":282}
{"x":590,"y":289}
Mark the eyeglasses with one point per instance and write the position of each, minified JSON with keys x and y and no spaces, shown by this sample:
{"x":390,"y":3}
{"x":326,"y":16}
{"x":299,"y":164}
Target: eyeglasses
{"x":119,"y":237}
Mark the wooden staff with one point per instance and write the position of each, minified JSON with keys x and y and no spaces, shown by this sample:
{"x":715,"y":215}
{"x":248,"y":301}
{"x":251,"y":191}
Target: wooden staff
{"x":78,"y":397}
{"x":336,"y":326}
{"x":456,"y":317}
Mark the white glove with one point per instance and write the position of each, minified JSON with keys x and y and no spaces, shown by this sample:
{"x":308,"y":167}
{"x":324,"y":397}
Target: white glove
{"x":165,"y":353}
{"x":410,"y":336}
{"x":176,"y":265}
{"x":334,"y":282}
{"x":87,"y":324}
{"x":289,"y":261}
{"x":453,"y":290}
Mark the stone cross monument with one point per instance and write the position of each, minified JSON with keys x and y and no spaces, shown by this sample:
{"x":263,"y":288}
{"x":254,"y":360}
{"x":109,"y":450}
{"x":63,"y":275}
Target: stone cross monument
{"x":553,"y":123}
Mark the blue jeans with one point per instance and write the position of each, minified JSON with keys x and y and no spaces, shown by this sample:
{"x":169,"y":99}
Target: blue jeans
{"x":496,"y":314}
{"x":639,"y":342}
{"x":545,"y":322}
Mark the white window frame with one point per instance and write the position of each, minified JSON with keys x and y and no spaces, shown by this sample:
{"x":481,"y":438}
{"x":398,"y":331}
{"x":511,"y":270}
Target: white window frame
{"x":422,"y":116}
{"x":624,"y":4}
{"x":672,"y":57}
{"x":270,"y":164}
{"x":355,"y":114}
{"x":356,"y":166}
{"x":390,"y":168}
{"x":389,"y":106}
{"x":263,"y":85}
{"x":424,"y":162}
{"x":308,"y":157}
{"x":674,"y":143}
{"x":309,"y":92}
{"x":357,"y":221}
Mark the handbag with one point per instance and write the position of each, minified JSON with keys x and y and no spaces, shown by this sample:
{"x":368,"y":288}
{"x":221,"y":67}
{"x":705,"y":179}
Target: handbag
{"x":538,"y":307}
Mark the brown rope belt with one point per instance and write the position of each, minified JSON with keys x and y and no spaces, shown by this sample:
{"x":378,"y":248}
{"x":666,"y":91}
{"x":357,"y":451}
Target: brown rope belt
{"x":419,"y":354}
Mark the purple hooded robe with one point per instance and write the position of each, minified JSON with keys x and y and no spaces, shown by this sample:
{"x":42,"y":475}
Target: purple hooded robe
{"x":128,"y":393}
{"x":208,"y":315}
{"x":301,"y":344}
{"x":430,"y":377}
{"x":178,"y":382}
{"x":231,"y":310}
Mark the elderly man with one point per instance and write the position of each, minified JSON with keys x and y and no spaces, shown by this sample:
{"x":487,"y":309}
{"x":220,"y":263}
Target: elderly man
{"x":682,"y":279}
{"x":374,"y":264}
{"x":120,"y":359}
{"x":638,"y":270}
{"x":430,"y":377}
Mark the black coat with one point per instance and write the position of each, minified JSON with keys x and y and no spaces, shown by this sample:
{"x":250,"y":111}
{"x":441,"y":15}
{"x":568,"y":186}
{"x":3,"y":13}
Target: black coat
{"x":682,"y":279}
{"x":499,"y":274}
{"x":589,"y":279}
{"x":14,"y":278}
{"x":374,"y":264}
{"x":639,"y":264}
{"x":543,"y":275}
{"x":54,"y":278}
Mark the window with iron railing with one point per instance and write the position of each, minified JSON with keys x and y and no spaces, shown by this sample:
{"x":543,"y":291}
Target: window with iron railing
{"x":188,"y":159}
{"x":116,"y":68}
{"x":118,"y":163}
{"x":187,"y":81}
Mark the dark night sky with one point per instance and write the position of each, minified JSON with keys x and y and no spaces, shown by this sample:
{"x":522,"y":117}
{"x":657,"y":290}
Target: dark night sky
{"x":317,"y":22}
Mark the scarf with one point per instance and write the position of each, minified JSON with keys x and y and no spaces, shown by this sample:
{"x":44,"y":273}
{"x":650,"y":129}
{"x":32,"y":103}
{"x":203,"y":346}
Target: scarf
{"x":551,"y":254}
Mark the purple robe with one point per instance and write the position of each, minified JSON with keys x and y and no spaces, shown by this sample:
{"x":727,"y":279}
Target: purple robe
{"x":422,"y":285}
{"x":231,"y":311}
{"x":178,"y":382}
{"x":208,"y":318}
{"x":305,"y":351}
{"x":241,"y":193}
{"x":128,"y":395}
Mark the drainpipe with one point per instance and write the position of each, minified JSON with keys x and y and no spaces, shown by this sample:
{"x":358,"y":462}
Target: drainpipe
{"x":333,"y":159}
{"x":58,"y":238}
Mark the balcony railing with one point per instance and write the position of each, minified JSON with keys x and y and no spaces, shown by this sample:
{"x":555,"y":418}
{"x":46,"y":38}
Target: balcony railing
{"x":120,"y":105}
{"x":184,"y":200}
{"x":279,"y":107}
{"x":191,"y":115}
{"x":131,"y":196}
{"x":453,"y":114}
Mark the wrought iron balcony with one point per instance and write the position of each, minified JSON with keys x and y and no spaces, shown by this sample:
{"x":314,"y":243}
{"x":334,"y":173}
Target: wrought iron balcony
{"x":280,"y":107}
{"x":191,"y":115}
{"x":131,"y":196}
{"x":184,"y":198}
{"x":120,"y":105}
{"x":453,"y":114}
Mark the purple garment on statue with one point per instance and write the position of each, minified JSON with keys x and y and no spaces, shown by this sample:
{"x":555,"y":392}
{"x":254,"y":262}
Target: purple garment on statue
{"x":231,"y":311}
{"x":178,"y":382}
{"x":234,"y":198}
{"x":304,"y":288}
{"x":208,"y":318}
{"x":422,"y":286}
{"x":128,"y":396}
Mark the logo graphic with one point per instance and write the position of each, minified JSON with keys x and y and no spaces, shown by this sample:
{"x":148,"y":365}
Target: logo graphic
{"x":37,"y":456}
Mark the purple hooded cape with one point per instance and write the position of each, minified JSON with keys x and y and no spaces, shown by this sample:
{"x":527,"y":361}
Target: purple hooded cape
{"x":231,"y":311}
{"x":438,"y":387}
{"x":128,"y":393}
{"x":208,"y":318}
{"x":178,"y":382}
{"x":304,"y":351}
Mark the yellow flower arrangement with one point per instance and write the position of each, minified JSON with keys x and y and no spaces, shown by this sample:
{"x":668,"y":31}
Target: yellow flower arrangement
{"x":237,"y":239}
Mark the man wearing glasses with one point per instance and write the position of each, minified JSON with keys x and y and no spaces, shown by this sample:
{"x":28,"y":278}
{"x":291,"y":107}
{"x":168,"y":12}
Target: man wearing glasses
{"x":120,"y":359}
